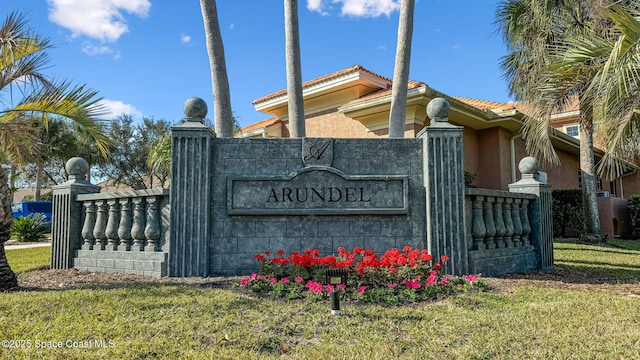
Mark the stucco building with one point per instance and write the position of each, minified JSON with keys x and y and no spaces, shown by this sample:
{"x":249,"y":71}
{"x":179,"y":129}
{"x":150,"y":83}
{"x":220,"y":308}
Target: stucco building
{"x":355,"y":103}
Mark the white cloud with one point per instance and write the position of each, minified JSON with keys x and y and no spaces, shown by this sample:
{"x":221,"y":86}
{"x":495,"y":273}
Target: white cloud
{"x":185,"y":39}
{"x":232,"y":26}
{"x":317,"y":6}
{"x":357,"y":8}
{"x":93,"y":50}
{"x":99,"y":19}
{"x":114,"y":108}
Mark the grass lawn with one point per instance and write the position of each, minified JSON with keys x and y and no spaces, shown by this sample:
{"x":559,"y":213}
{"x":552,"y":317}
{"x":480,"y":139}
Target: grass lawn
{"x":29,"y":259}
{"x":173,"y":321}
{"x":621,"y":262}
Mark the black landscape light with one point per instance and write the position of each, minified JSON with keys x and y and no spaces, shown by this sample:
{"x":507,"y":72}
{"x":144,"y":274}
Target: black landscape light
{"x":335,"y":277}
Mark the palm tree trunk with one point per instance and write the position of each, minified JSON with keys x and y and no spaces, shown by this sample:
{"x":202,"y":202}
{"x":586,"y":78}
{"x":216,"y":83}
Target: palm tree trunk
{"x":12,"y":182}
{"x":38,"y":188}
{"x":592,"y":231}
{"x":8,"y":279}
{"x":401,"y":70}
{"x":222,"y":114}
{"x":294,"y":72}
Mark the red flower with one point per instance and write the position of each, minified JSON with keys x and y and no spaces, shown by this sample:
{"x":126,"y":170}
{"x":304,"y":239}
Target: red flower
{"x":426,"y":257}
{"x":267,"y":253}
{"x":280,"y":252}
{"x":444,"y":258}
{"x":437,"y":266}
{"x":357,"y":250}
{"x":259,"y":258}
{"x":407,"y":249}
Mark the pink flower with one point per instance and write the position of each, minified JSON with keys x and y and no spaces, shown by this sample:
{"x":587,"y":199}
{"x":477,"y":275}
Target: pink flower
{"x":413,"y":284}
{"x":433,"y":277}
{"x":284,"y":280}
{"x":314,"y":287}
{"x":470,"y":278}
{"x":298,"y":279}
{"x":341,"y":286}
{"x":392,"y":285}
{"x":329,"y":288}
{"x":245,"y":281}
{"x":444,"y":282}
{"x":362,"y":289}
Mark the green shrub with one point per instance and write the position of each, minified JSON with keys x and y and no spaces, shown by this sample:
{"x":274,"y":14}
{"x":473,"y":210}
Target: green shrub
{"x":30,"y":228}
{"x":469,"y":178}
{"x":634,"y":214}
{"x":568,"y":213}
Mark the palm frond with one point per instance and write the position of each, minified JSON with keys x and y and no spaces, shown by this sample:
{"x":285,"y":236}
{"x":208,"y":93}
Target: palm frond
{"x":76,"y":103}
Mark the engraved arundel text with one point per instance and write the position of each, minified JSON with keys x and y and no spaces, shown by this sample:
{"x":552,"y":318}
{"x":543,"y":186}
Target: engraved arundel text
{"x":317,"y":192}
{"x":324,"y":194}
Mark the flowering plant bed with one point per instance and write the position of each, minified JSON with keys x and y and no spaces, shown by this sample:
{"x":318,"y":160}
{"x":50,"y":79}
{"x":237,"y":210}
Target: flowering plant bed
{"x":395,"y":277}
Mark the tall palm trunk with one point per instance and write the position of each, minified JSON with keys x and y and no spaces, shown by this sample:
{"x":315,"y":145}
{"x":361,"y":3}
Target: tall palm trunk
{"x":591,"y":229}
{"x":39,"y":175}
{"x":401,"y":71}
{"x":12,"y":182}
{"x":222,"y":113}
{"x":294,"y":72}
{"x":8,"y":279}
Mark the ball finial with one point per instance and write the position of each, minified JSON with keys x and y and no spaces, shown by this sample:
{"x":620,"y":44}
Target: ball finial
{"x":77,"y":168}
{"x":438,"y":109}
{"x":195,"y":109}
{"x":529,"y":166}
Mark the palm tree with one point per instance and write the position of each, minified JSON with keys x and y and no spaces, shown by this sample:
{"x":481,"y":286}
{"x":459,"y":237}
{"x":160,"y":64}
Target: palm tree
{"x":401,"y":71}
{"x":159,"y":160}
{"x":294,"y":72}
{"x":616,"y":87}
{"x":533,"y":31}
{"x":222,"y":113}
{"x":22,"y":58}
{"x":55,"y":141}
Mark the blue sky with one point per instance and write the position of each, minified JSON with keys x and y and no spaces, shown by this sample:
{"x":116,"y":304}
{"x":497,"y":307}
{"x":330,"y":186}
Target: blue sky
{"x":146,"y":57}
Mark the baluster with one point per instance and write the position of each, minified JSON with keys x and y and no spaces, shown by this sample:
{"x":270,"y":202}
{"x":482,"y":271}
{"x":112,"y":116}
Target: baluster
{"x":517,"y":223}
{"x":112,"y":224}
{"x":489,"y":223}
{"x":124,"y":231}
{"x":152,"y":230}
{"x":526,"y":225}
{"x":508,"y":224}
{"x":89,"y":224}
{"x":478,"y":230}
{"x":101,"y":225}
{"x":499,"y":216}
{"x":137,"y":230}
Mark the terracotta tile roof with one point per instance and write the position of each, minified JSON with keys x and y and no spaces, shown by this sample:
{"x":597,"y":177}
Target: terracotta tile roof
{"x":319,"y":80}
{"x":570,"y":106}
{"x":382,"y":93}
{"x":485,"y":104}
{"x":260,"y":125}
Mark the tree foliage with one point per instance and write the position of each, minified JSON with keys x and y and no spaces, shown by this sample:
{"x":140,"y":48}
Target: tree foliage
{"x":132,"y":143}
{"x":23,"y":57}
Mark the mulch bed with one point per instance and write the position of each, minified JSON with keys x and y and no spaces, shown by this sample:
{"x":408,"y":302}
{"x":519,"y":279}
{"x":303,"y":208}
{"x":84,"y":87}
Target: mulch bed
{"x":561,"y":278}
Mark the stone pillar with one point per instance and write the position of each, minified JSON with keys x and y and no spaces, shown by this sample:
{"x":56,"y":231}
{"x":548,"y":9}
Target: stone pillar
{"x":191,"y":193}
{"x":444,"y":182}
{"x":67,"y":217}
{"x":540,"y":216}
